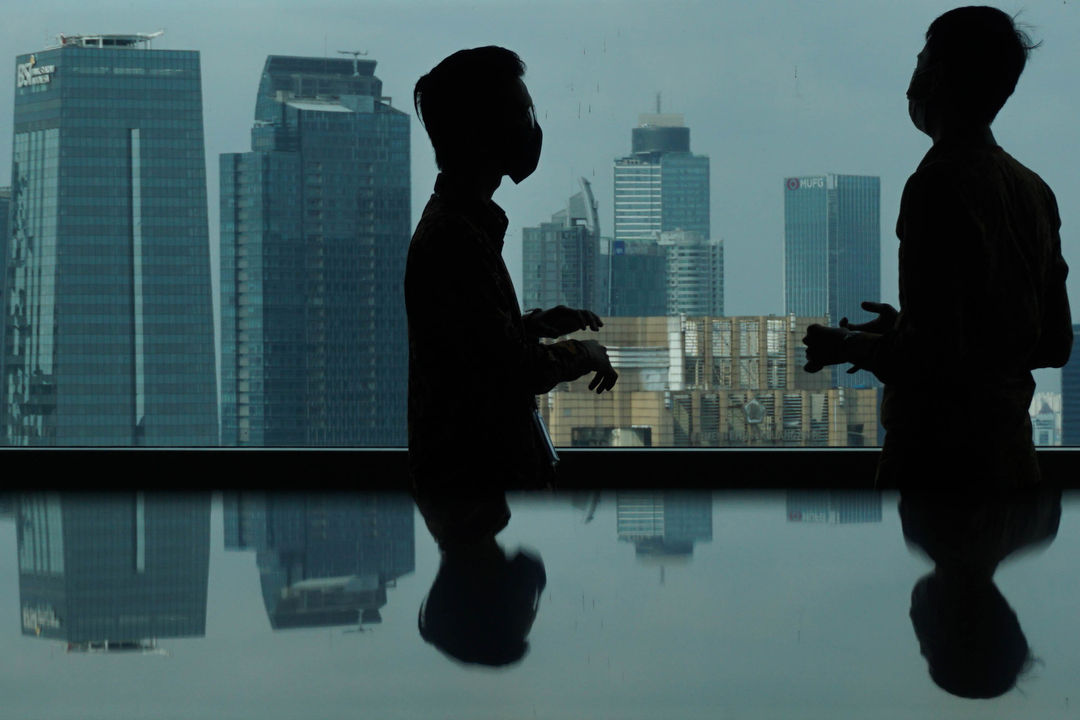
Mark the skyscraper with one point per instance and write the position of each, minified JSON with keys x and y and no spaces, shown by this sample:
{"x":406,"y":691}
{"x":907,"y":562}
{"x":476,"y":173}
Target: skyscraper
{"x":315,"y":226}
{"x":324,"y":560}
{"x":835,"y":507}
{"x":832,"y":251}
{"x":1070,"y":394}
{"x":119,"y":569}
{"x":661,"y":186}
{"x":561,"y":258}
{"x":109,"y":336}
{"x":694,"y":270}
{"x":664,"y":524}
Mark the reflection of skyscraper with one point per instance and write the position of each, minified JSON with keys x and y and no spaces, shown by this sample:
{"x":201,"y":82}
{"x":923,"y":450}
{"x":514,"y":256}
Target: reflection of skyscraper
{"x":324,"y":560}
{"x":109,"y":336}
{"x":121,"y":570}
{"x":836,"y":507}
{"x":315,"y":226}
{"x":664,"y":525}
{"x":832,"y":250}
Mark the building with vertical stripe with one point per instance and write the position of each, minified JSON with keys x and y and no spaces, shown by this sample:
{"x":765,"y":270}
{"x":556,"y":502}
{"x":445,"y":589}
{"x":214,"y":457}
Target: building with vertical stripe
{"x":108,"y":319}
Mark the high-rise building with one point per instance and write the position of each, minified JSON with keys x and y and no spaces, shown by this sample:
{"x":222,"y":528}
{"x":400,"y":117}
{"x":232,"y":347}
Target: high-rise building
{"x":1046,"y":420}
{"x":835,"y":507}
{"x":109,"y":336}
{"x":832,"y":251}
{"x":1070,"y":394}
{"x":114,"y":572}
{"x":694,"y":269}
{"x":5,"y":208}
{"x":661,"y":186}
{"x":709,"y":381}
{"x":323,"y":560}
{"x":315,"y":227}
{"x":561,"y":258}
{"x":664,"y":525}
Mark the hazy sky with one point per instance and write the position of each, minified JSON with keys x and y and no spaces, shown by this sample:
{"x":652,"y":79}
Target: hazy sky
{"x":770,"y":619}
{"x":769,"y":89}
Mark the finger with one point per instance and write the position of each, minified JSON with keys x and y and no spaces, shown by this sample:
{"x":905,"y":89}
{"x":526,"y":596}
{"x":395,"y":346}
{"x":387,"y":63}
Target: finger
{"x":843,"y":322}
{"x":594,"y":320}
{"x":872,"y":306}
{"x":595,"y":381}
{"x":852,"y":370}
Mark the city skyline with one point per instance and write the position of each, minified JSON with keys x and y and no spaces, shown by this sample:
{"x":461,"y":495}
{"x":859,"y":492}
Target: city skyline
{"x":810,"y":80}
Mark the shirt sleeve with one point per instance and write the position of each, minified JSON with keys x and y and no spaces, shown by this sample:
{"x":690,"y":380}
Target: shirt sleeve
{"x":937,"y":234}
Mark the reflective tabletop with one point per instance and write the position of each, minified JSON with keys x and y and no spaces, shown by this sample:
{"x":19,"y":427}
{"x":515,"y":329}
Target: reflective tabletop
{"x":800,"y":604}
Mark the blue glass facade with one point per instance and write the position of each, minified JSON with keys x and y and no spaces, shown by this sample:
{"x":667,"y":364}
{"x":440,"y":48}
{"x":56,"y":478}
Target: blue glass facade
{"x":660,"y":187}
{"x":324,"y":560}
{"x":1070,"y":394}
{"x":832,"y":251}
{"x":118,"y":568}
{"x":108,"y":336}
{"x":315,"y":226}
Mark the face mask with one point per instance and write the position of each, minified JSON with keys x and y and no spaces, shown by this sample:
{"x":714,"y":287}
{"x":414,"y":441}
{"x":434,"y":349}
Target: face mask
{"x":527,"y":154}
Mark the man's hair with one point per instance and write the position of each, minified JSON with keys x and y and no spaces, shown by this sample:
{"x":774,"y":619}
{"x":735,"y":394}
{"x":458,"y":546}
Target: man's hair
{"x":982,"y":53}
{"x":461,"y":101}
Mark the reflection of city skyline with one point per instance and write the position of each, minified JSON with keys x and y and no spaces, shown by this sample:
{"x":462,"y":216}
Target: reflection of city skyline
{"x":324,"y":560}
{"x":834,"y":507}
{"x":113,"y":572}
{"x":664,"y":525}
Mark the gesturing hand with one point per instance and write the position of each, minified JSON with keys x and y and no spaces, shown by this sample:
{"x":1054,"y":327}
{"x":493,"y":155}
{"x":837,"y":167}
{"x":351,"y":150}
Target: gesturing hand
{"x":884,"y":322}
{"x":561,"y":320}
{"x":824,"y":346}
{"x":606,"y":376}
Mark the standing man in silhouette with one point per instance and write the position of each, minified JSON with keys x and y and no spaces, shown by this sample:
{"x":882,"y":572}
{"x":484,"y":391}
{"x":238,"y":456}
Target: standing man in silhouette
{"x":475,"y":363}
{"x":982,"y":280}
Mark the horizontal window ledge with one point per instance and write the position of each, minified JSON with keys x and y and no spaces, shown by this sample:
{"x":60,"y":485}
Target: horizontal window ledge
{"x":386,"y":469}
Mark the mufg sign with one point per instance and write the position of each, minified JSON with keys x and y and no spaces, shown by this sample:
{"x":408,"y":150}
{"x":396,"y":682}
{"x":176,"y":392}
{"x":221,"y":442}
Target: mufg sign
{"x":806,"y":183}
{"x":30,"y":73}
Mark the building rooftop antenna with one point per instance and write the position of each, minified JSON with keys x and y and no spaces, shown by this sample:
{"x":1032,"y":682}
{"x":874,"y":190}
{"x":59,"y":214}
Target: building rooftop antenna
{"x":356,"y":54}
{"x":657,"y":102}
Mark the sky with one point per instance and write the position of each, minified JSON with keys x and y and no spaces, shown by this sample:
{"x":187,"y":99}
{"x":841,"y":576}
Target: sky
{"x":769,"y":619}
{"x":769,"y":90}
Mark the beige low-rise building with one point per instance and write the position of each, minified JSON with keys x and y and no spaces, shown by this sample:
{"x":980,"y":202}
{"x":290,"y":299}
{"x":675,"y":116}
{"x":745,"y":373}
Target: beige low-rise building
{"x":712,"y":381}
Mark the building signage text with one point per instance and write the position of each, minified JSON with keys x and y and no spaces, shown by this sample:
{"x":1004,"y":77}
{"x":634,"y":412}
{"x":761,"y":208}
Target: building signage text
{"x":30,"y":73}
{"x":35,"y":618}
{"x":806,"y":183}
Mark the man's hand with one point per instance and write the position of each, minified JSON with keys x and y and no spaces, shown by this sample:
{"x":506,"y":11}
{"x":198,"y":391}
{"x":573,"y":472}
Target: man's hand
{"x":824,"y":346}
{"x":883,"y":323}
{"x":561,"y":320}
{"x":598,"y":360}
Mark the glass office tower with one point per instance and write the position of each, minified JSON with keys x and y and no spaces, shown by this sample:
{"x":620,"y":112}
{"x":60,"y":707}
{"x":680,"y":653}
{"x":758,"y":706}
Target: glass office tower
{"x":113,"y":572}
{"x":108,"y":336}
{"x":661,"y":186}
{"x":561,"y":258}
{"x":324,"y":560}
{"x":315,"y":228}
{"x":1070,"y":394}
{"x":832,"y":251}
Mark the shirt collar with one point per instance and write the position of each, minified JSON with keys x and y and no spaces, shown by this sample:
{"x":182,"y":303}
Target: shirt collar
{"x":485,"y":213}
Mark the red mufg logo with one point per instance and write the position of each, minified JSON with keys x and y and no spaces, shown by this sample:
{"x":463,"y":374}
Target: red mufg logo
{"x":792,"y":183}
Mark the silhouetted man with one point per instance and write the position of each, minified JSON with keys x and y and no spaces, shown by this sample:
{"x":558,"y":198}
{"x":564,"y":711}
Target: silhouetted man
{"x":475,"y":364}
{"x":982,"y":280}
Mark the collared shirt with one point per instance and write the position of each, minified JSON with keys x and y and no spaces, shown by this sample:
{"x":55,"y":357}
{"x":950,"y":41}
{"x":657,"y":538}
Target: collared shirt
{"x":982,"y":303}
{"x":474,"y":366}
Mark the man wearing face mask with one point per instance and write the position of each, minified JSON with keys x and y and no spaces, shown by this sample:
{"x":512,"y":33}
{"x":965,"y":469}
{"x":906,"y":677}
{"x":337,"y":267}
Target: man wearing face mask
{"x":982,"y":279}
{"x":475,"y":363}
